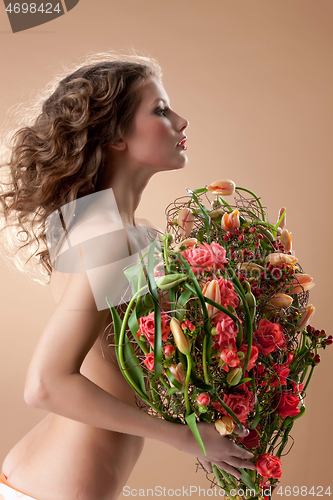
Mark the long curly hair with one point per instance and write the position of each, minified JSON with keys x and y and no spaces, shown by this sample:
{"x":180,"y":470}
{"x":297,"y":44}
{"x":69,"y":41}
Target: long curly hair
{"x":59,"y":153}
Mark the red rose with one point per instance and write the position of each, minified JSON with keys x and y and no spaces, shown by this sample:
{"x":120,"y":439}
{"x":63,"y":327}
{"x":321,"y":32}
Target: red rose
{"x":269,"y":466}
{"x":288,"y":405}
{"x":147,"y":327}
{"x":218,"y":254}
{"x":240,"y":404}
{"x":282,"y":371}
{"x":149,"y":361}
{"x":198,"y":257}
{"x":169,"y":350}
{"x":251,"y":440}
{"x":253,"y":356}
{"x":269,"y":336}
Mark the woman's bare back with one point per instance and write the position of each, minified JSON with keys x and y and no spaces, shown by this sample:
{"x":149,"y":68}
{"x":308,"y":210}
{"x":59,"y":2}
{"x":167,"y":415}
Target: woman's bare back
{"x":63,"y":459}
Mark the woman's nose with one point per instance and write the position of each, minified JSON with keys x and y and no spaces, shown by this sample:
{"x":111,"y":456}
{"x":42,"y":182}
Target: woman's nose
{"x":184,"y":124}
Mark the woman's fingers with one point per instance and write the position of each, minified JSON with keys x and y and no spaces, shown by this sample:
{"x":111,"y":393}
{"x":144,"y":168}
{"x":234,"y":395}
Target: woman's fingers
{"x":207,"y":465}
{"x":228,"y":468}
{"x":238,"y":462}
{"x":245,"y":432}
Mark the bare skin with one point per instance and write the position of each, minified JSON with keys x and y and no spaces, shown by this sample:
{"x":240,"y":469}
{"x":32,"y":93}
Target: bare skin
{"x":88,"y":444}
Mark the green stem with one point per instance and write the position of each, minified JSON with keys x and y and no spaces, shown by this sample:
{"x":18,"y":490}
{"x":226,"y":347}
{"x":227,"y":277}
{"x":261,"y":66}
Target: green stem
{"x":187,"y":380}
{"x":308,"y":380}
{"x":256,"y":197}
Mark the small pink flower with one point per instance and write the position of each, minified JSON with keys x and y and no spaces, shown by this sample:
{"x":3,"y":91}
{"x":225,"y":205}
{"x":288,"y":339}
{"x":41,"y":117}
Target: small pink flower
{"x":169,"y":350}
{"x":203,"y":399}
{"x":149,"y":361}
{"x":230,"y":357}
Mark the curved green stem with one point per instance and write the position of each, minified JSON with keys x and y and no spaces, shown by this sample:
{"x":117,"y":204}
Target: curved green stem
{"x":256,"y":197}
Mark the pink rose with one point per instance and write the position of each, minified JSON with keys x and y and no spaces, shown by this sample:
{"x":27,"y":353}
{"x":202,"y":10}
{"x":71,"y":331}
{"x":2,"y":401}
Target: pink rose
{"x":149,"y":361}
{"x":253,"y":355}
{"x":198,"y":257}
{"x":226,"y":330}
{"x":203,"y":399}
{"x":269,"y":336}
{"x":147,"y":327}
{"x":217,"y":252}
{"x":230,"y":357}
{"x":228,"y":294}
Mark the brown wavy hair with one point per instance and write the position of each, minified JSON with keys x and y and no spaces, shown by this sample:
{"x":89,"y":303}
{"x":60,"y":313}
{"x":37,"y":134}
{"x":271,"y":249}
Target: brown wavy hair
{"x":59,"y":153}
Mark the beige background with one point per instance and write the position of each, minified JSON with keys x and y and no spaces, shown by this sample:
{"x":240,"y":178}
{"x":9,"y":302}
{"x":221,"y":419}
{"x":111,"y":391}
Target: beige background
{"x":254,"y":78}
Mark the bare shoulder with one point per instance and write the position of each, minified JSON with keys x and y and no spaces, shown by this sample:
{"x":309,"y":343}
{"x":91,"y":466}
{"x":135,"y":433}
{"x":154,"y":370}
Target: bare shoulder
{"x":147,"y":222}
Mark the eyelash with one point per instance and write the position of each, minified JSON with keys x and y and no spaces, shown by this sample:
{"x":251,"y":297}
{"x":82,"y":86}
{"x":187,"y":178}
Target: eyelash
{"x":164,"y":110}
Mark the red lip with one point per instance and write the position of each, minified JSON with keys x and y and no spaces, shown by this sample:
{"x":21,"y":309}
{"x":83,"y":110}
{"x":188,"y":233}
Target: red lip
{"x":182,"y":141}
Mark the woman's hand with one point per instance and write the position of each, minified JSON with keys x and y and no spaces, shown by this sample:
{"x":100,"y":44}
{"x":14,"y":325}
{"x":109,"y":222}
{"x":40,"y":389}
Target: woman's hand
{"x":220,"y":450}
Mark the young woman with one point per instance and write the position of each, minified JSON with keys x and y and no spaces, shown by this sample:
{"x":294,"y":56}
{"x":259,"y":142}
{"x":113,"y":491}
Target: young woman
{"x":109,"y":124}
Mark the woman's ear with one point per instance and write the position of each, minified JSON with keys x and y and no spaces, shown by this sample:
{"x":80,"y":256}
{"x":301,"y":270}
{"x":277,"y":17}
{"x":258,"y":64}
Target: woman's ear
{"x":119,"y":145}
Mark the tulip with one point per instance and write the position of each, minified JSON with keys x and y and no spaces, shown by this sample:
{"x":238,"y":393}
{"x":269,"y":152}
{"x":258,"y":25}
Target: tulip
{"x":281,"y":300}
{"x":224,"y":187}
{"x":305,"y":319}
{"x":185,"y":221}
{"x":188,"y":243}
{"x":285,"y":239}
{"x":231,"y":221}
{"x":203,"y":399}
{"x":234,"y":376}
{"x":170,"y":280}
{"x":277,"y":258}
{"x":180,"y":339}
{"x":224,"y":425}
{"x":301,"y":283}
{"x":179,"y":374}
{"x":212,"y":291}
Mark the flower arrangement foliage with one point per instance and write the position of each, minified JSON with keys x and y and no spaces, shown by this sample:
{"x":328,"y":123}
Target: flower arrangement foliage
{"x":234,"y":343}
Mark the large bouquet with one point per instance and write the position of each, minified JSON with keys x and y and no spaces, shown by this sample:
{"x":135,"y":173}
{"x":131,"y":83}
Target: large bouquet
{"x":234,"y":344}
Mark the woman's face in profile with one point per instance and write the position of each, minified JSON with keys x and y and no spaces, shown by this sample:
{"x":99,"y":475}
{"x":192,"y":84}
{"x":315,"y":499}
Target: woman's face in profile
{"x":156,"y":131}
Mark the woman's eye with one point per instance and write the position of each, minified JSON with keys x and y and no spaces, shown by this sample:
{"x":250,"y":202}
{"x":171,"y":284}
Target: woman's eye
{"x":162,"y":110}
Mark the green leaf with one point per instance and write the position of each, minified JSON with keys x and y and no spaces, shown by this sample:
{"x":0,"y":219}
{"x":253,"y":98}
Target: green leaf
{"x":132,"y":274}
{"x":184,"y":297}
{"x":245,"y":478}
{"x":132,"y":364}
{"x":191,"y":421}
{"x":134,"y":327}
{"x":172,"y":390}
{"x":157,"y":313}
{"x":116,"y":326}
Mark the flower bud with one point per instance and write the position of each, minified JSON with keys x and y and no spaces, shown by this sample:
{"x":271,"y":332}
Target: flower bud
{"x":169,"y":350}
{"x":188,"y":243}
{"x":281,"y":300}
{"x":211,"y":290}
{"x":203,"y":399}
{"x":169,"y":238}
{"x":170,"y":280}
{"x":234,"y":376}
{"x":277,"y":258}
{"x":306,"y":317}
{"x":179,"y":373}
{"x":224,"y":425}
{"x":185,"y":221}
{"x":301,"y":283}
{"x":180,"y":339}
{"x":224,"y":187}
{"x":285,"y":239}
